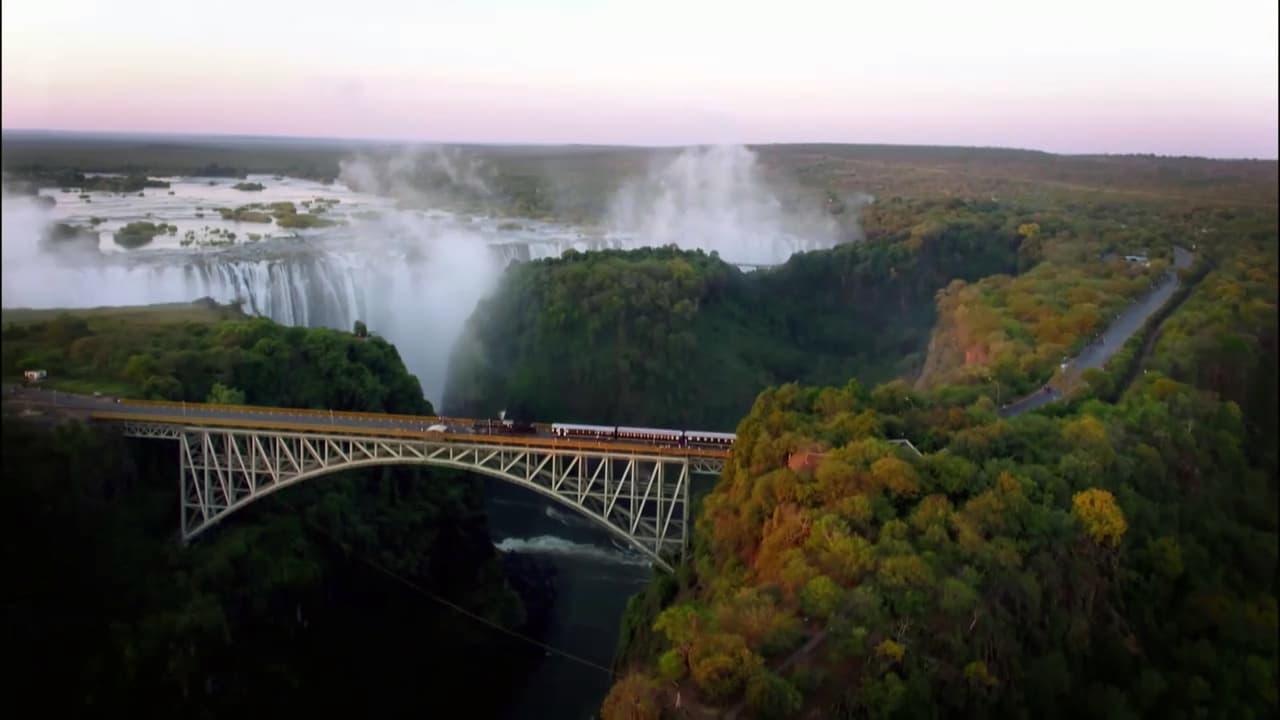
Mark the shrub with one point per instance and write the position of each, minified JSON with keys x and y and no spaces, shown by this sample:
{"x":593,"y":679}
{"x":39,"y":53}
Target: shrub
{"x":721,"y":664}
{"x":635,"y":697}
{"x":770,"y":697}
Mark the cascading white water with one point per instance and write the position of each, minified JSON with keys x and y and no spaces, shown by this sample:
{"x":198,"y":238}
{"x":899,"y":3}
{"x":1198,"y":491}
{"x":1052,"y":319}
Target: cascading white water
{"x":413,"y":277}
{"x":410,"y":282}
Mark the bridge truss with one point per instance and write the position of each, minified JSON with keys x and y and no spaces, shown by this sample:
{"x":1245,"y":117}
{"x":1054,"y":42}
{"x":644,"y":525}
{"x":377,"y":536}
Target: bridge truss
{"x":641,"y":498}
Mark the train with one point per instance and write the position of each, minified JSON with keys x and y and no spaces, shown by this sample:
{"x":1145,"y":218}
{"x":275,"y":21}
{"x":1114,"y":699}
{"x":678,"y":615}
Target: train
{"x":659,"y":436}
{"x":503,"y":426}
{"x":665,"y":437}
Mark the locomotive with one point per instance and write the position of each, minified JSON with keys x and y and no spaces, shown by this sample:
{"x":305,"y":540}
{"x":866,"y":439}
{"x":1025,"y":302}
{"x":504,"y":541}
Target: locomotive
{"x":503,"y":427}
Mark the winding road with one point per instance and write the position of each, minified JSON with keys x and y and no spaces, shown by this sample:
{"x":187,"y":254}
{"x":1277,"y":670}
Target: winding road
{"x":1096,"y":354}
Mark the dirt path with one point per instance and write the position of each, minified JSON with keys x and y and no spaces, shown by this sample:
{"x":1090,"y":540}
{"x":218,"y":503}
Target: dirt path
{"x":803,"y":652}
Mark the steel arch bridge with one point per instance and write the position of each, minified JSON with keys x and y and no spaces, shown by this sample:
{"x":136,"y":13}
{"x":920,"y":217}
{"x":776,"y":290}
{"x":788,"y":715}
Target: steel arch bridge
{"x":641,"y":495}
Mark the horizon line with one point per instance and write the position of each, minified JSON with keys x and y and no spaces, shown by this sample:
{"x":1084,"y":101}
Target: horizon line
{"x":629,"y":146}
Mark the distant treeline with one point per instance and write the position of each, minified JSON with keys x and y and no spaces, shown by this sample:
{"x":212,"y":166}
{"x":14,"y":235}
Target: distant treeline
{"x":576,"y":182}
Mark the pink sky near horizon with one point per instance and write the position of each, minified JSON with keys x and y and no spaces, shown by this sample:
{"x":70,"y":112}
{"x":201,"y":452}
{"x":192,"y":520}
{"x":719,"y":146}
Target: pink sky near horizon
{"x":1166,"y":77}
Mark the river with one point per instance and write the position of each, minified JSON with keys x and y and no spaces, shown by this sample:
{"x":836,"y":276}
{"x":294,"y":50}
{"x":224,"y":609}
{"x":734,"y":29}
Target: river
{"x":591,"y":577}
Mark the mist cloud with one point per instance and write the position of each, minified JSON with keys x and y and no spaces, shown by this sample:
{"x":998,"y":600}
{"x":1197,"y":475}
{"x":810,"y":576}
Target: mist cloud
{"x":36,"y":268}
{"x":418,"y":176}
{"x":717,"y":199}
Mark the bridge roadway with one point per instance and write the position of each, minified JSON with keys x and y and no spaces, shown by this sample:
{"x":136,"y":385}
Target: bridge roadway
{"x":324,"y":421}
{"x":232,"y":455}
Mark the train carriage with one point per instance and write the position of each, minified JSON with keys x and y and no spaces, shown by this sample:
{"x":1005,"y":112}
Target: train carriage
{"x":712,"y":439}
{"x":661,"y":436}
{"x":657,"y":436}
{"x":594,"y":432}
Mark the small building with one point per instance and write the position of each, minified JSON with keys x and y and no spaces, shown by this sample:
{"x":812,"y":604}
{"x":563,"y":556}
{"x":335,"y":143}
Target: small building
{"x":34,"y":375}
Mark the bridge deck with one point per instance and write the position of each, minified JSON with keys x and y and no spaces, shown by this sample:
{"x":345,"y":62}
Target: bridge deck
{"x":286,"y":421}
{"x":331,"y":422}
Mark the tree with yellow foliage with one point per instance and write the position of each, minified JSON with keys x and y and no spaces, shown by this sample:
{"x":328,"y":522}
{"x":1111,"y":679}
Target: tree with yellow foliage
{"x":721,"y":664}
{"x":1097,"y":511}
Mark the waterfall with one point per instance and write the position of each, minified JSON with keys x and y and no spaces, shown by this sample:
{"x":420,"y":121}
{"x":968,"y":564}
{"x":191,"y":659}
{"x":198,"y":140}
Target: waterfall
{"x":414,"y":277}
{"x":418,"y":303}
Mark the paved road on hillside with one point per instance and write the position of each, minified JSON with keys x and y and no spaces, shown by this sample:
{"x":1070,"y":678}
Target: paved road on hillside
{"x":1108,"y":343}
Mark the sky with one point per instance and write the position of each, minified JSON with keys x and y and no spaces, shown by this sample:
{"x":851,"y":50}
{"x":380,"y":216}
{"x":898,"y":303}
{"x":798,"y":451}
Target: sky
{"x":1168,"y":77}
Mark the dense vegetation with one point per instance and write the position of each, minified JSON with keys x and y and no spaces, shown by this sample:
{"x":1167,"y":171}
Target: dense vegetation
{"x":246,"y":213}
{"x":1115,"y":561}
{"x":1014,"y":330}
{"x":1097,"y":559}
{"x":137,"y":234}
{"x":276,"y":365}
{"x":1223,"y":338}
{"x":31,"y":154}
{"x":303,"y":603}
{"x":1112,"y":560}
{"x":303,"y":220}
{"x":1082,"y":181}
{"x":681,"y":338}
{"x":678,"y":337}
{"x":37,"y":176}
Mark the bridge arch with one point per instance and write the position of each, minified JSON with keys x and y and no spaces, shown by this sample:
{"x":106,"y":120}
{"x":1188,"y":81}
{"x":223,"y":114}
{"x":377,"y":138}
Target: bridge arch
{"x":595,"y":517}
{"x":641,"y":498}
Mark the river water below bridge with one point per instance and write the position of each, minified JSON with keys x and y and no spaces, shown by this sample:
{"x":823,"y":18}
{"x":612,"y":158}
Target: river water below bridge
{"x":591,"y":576}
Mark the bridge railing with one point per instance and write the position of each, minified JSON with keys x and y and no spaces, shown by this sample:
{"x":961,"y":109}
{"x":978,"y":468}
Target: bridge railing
{"x":356,"y":415}
{"x":261,"y":410}
{"x":390,"y":432}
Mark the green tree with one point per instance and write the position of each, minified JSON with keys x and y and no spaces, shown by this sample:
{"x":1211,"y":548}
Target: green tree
{"x":162,"y":387}
{"x":681,"y":625}
{"x":672,"y":665}
{"x":222,"y":395}
{"x":820,"y":597}
{"x":770,"y":697}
